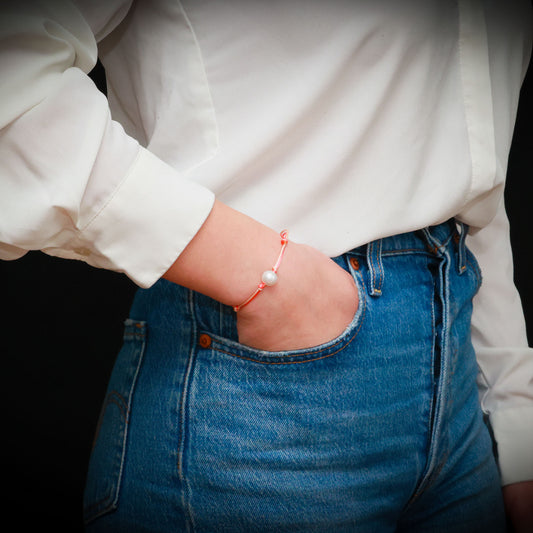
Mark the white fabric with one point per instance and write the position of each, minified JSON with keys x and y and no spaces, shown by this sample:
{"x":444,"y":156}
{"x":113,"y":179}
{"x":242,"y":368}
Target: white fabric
{"x":345,"y":122}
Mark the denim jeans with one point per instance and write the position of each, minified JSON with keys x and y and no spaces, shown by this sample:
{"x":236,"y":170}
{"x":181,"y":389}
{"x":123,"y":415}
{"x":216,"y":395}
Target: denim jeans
{"x":378,"y":430}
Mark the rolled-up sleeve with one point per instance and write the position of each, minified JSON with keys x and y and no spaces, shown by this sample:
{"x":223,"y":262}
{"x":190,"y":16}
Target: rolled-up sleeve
{"x":72,"y":183}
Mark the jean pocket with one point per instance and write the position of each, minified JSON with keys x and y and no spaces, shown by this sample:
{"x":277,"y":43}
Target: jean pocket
{"x":332,"y":347}
{"x":104,"y":475}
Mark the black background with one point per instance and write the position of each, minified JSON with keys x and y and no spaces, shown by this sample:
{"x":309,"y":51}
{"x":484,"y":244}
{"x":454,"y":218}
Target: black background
{"x":61,"y":331}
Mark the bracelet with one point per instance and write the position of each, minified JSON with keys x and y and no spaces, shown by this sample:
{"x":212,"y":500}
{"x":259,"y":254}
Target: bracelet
{"x":269,"y":277}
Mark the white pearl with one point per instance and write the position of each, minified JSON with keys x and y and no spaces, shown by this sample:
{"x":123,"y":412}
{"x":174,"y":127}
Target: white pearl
{"x":269,"y":278}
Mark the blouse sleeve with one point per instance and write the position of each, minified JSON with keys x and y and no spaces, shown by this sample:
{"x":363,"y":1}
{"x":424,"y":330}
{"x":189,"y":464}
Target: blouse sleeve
{"x":72,"y":183}
{"x":505,"y":360}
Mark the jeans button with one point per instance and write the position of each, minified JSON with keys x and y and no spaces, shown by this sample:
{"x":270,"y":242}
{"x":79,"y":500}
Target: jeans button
{"x":355,"y":263}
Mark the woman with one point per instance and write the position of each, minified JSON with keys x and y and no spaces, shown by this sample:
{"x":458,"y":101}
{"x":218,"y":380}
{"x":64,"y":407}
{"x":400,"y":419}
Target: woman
{"x":334,"y":393}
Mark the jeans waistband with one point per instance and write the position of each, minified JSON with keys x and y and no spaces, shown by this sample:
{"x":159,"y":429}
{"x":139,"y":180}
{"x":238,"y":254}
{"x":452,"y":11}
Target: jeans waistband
{"x":427,"y":239}
{"x":433,"y":239}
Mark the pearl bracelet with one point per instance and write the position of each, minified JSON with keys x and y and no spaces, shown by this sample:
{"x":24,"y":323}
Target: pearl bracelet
{"x":269,"y":277}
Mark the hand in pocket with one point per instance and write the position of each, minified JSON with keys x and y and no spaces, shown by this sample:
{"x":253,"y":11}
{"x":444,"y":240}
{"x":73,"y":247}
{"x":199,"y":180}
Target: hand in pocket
{"x":312,"y":303}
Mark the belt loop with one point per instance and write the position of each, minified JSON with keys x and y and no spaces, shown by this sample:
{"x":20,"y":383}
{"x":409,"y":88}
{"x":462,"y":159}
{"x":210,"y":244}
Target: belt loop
{"x":375,"y":267}
{"x":460,"y":237}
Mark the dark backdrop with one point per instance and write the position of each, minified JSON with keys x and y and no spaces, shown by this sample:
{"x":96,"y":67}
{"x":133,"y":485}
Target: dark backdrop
{"x":61,"y":331}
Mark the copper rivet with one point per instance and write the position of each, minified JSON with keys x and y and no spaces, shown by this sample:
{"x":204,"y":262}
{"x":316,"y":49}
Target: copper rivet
{"x":204,"y":341}
{"x":355,"y":263}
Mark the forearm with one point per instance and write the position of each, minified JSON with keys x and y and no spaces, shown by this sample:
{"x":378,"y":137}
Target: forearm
{"x":227,"y":256}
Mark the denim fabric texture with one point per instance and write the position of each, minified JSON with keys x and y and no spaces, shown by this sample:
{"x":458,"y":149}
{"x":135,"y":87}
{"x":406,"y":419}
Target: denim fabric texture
{"x":379,"y":430}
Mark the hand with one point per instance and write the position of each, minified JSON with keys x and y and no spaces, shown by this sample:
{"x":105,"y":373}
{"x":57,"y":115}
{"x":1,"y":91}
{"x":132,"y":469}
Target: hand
{"x":312,"y":303}
{"x":518,"y":499}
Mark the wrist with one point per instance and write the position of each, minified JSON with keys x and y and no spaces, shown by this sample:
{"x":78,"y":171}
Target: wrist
{"x":269,"y":278}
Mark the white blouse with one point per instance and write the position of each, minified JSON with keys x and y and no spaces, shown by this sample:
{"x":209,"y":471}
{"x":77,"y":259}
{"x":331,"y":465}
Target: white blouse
{"x":344,"y":122}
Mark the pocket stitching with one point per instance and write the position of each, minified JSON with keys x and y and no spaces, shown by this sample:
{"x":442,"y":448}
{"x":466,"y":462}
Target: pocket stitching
{"x":343,"y":339}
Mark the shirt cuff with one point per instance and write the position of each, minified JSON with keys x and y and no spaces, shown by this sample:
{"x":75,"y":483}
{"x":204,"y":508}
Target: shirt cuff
{"x":513,"y":430}
{"x":145,"y":225}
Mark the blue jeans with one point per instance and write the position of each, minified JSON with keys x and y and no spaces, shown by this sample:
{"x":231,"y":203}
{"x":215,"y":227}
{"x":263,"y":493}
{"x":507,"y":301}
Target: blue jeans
{"x":378,"y":430}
